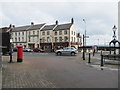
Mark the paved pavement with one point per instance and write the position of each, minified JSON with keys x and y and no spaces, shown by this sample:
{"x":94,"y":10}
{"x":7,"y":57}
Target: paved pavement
{"x":0,"y":78}
{"x":45,"y":70}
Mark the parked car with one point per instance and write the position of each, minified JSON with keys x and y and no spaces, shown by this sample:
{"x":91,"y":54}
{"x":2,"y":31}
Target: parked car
{"x":14,"y":49}
{"x":27,"y":50}
{"x":67,"y":50}
{"x":38,"y":50}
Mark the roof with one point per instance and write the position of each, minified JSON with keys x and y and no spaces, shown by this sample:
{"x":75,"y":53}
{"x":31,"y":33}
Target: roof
{"x":63,"y":26}
{"x":28,"y":27}
{"x":21,"y":28}
{"x":48,"y":27}
{"x":38,"y":26}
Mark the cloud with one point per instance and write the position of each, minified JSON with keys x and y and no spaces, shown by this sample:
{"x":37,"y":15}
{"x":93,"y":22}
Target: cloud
{"x":100,"y":17}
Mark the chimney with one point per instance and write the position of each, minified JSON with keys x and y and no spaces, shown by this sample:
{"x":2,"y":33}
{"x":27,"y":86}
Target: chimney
{"x":32,"y":23}
{"x":13,"y":26}
{"x":72,"y":21}
{"x":10,"y":25}
{"x":56,"y":22}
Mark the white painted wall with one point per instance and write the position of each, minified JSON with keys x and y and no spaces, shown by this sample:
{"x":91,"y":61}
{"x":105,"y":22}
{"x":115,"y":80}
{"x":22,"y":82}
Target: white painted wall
{"x":119,"y":21}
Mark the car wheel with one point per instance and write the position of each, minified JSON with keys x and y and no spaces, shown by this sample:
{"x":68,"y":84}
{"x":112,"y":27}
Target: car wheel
{"x":59,"y":53}
{"x":72,"y":53}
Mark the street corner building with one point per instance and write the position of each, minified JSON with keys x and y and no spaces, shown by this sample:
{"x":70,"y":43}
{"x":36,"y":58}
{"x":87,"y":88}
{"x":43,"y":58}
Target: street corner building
{"x":47,"y":37}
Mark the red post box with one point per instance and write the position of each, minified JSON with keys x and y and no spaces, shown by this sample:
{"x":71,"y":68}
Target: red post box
{"x":19,"y":53}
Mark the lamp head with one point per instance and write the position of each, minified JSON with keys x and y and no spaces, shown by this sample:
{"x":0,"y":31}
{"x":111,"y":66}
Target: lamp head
{"x":114,"y":28}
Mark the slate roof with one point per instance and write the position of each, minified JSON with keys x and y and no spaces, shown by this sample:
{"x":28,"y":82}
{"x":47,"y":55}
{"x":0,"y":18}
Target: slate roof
{"x":48,"y":27}
{"x":28,"y":27}
{"x":63,"y":26}
{"x":37,"y":26}
{"x":21,"y":28}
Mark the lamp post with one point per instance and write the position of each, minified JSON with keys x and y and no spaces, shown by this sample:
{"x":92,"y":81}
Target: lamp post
{"x":83,"y":48}
{"x":10,"y":52}
{"x":85,"y":31}
{"x":114,"y":36}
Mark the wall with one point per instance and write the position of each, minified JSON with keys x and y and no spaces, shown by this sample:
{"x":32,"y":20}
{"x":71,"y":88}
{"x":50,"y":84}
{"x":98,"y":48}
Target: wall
{"x":119,"y":21}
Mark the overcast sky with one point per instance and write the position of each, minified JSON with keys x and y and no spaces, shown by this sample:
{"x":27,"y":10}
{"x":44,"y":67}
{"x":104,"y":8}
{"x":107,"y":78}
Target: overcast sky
{"x":99,"y":16}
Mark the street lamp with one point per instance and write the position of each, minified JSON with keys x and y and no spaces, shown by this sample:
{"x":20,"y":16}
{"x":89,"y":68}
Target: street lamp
{"x":10,"y":52}
{"x":83,"y":48}
{"x":114,"y":30}
{"x":85,"y":30}
{"x":114,"y":36}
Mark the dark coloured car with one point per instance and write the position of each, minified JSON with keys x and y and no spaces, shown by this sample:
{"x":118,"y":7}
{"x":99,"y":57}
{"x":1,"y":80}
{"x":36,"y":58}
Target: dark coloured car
{"x":38,"y":50}
{"x":14,"y":49}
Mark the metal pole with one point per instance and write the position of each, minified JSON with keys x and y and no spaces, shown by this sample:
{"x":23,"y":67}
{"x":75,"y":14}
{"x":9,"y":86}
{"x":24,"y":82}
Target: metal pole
{"x":101,"y":60}
{"x":83,"y":48}
{"x":89,"y":58}
{"x":10,"y":53}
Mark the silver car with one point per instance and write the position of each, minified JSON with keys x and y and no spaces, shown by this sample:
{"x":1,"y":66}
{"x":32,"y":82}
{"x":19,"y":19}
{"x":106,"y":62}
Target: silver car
{"x":27,"y":50}
{"x":67,"y":50}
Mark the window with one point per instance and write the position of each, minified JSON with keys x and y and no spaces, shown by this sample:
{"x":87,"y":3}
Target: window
{"x":43,"y":39}
{"x":56,"y":39}
{"x":15,"y":39}
{"x":33,"y":32}
{"x":43,"y":33}
{"x":48,"y":39}
{"x":65,"y":38}
{"x":16,"y":34}
{"x":65,"y":32}
{"x":22,"y":38}
{"x":33,"y":39}
{"x":72,"y":39}
{"x":22,"y":33}
{"x":19,"y":38}
{"x":38,"y":32}
{"x":48,"y":32}
{"x":60,"y":38}
{"x":29,"y":39}
{"x":55,"y":32}
{"x":60,"y":32}
{"x":72,"y":32}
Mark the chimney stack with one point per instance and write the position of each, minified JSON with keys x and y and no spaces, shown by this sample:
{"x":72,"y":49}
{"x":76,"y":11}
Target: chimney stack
{"x":56,"y":22}
{"x":10,"y":25}
{"x":72,"y":21}
{"x":13,"y":26}
{"x":32,"y":23}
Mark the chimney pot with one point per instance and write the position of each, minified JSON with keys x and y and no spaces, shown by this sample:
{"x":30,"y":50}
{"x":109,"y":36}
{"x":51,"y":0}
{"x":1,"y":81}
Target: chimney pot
{"x":56,"y":22}
{"x":32,"y":23}
{"x":72,"y":20}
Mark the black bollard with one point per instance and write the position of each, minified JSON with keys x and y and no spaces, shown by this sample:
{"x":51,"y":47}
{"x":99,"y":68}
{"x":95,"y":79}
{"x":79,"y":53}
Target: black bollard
{"x":10,"y":53}
{"x":83,"y":55}
{"x":93,"y":52}
{"x":89,"y":59}
{"x":101,"y":52}
{"x":101,"y":60}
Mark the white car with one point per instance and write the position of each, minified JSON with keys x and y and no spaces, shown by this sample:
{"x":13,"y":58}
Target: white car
{"x":27,"y":50}
{"x":67,"y":50}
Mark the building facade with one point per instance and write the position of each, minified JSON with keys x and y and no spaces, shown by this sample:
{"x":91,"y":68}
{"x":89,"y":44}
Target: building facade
{"x":119,"y":21}
{"x":48,"y":37}
{"x":58,"y":36}
{"x":27,"y":36}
